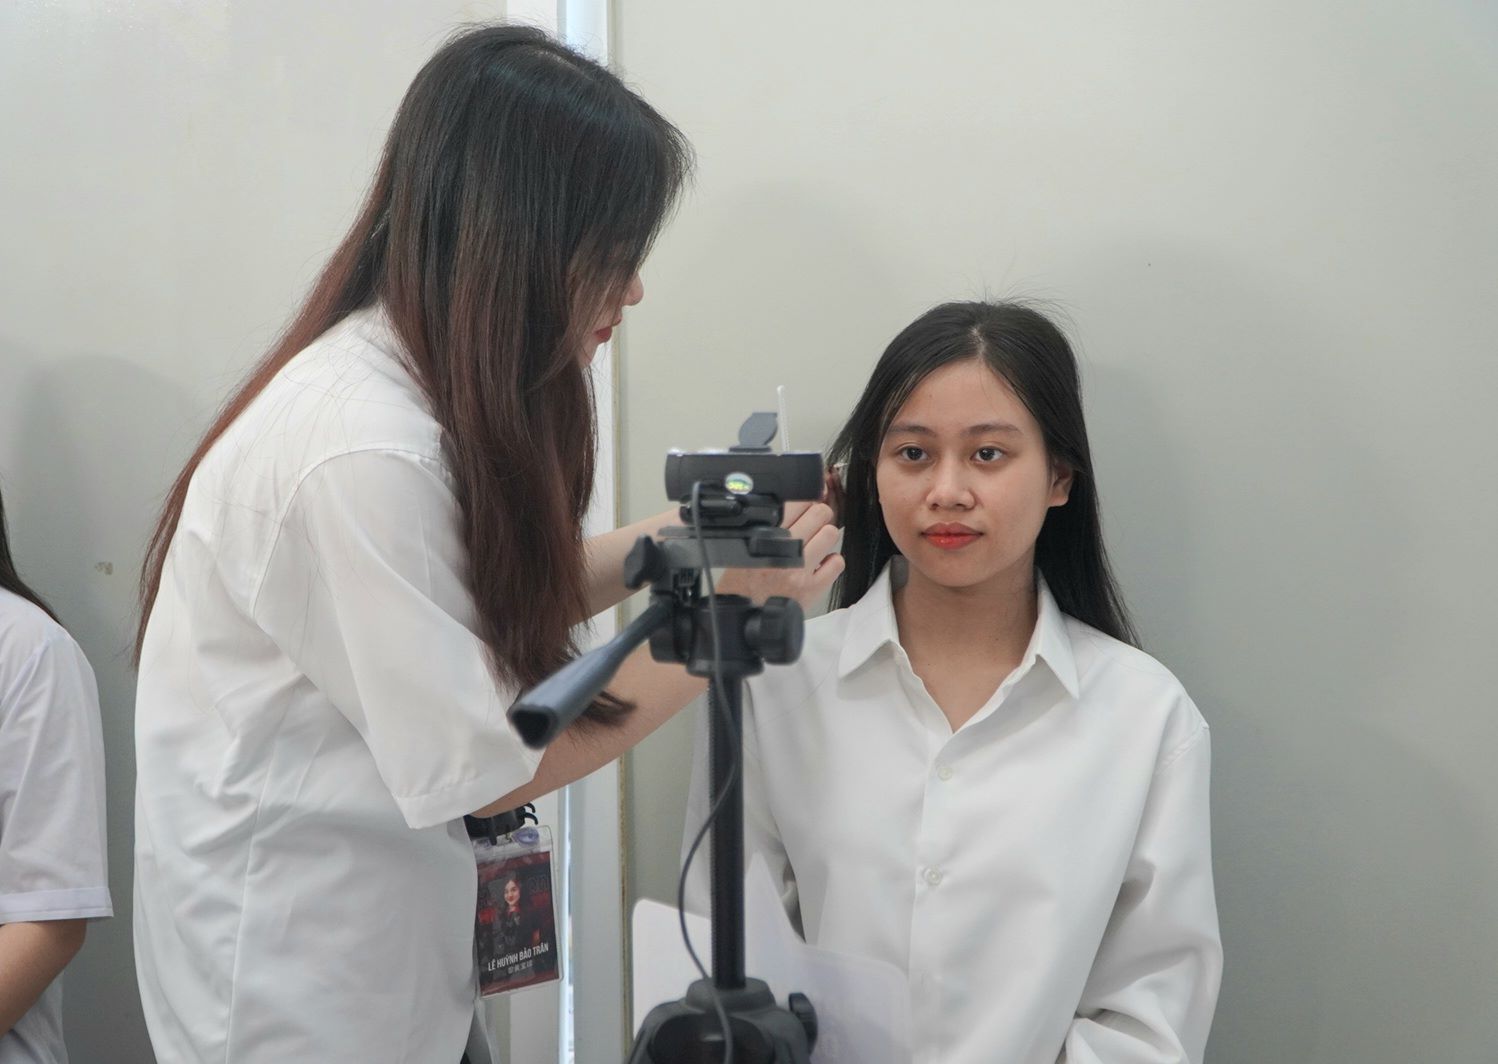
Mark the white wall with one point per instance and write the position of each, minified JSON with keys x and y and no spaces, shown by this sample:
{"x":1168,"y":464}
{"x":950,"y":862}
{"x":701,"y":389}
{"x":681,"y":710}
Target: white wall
{"x":1274,"y":229}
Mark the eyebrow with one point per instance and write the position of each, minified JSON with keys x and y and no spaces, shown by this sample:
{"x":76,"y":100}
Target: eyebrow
{"x":987,"y":428}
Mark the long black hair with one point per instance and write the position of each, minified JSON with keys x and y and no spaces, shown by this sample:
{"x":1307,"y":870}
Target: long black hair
{"x":521,"y":187}
{"x":10,"y":580}
{"x":1032,"y":356}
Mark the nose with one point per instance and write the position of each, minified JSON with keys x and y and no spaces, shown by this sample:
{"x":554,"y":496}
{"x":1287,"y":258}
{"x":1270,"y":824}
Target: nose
{"x":635,"y":292}
{"x":949,"y":488}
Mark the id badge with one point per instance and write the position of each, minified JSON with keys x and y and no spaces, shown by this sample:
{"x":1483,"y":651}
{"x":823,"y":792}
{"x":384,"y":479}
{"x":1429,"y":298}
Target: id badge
{"x":515,"y":930}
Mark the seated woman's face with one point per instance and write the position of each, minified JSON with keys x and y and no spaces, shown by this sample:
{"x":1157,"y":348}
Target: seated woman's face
{"x":964,"y":479}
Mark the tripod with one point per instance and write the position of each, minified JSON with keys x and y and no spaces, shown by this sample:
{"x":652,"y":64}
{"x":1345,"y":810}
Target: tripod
{"x":689,"y":1031}
{"x":724,"y":638}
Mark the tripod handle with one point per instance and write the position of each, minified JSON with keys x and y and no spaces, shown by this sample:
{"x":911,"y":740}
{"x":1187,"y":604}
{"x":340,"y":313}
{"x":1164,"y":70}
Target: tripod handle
{"x":545,"y":710}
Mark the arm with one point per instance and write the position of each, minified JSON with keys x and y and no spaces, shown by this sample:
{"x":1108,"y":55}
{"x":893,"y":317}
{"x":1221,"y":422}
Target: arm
{"x":1153,"y":987}
{"x":606,"y":554}
{"x":659,"y":690}
{"x":366,"y":592}
{"x":52,"y":838}
{"x":31,"y":956}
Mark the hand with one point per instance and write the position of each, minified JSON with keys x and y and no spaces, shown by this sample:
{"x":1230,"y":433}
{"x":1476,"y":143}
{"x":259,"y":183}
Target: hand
{"x":812,"y":524}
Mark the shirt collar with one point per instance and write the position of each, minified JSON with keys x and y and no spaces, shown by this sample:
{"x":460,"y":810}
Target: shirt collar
{"x":871,"y":621}
{"x":871,"y":627}
{"x":1051,"y":642}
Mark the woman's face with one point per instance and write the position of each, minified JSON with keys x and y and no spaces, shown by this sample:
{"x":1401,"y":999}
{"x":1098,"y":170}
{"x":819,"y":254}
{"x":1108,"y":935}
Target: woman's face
{"x":611,"y":317}
{"x":512,"y":894}
{"x":964,"y":480}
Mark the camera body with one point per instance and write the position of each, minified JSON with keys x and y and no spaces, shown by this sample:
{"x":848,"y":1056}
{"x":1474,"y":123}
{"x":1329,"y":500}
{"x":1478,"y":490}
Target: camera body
{"x":741,"y":489}
{"x":748,"y":484}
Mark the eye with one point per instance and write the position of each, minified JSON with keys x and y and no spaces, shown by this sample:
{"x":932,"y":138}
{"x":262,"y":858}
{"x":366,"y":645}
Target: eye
{"x":911,"y":453}
{"x":988,"y":454}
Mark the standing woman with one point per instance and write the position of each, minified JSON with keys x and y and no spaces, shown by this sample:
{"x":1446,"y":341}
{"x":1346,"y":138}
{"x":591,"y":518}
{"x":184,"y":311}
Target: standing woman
{"x":375,"y":548}
{"x":972,"y":772}
{"x":53,"y":874}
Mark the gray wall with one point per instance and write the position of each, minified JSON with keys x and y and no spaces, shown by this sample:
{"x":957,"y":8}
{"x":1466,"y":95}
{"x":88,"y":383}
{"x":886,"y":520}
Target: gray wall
{"x":173,"y":176}
{"x":1273,"y":229}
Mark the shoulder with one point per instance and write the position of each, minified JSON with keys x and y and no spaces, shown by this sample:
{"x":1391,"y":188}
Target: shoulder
{"x":349,"y":391}
{"x":344,"y":405}
{"x":24,"y":626}
{"x":824,"y":637}
{"x":34,"y":649}
{"x":1123,"y":681}
{"x":360,"y":361}
{"x":789,"y":687}
{"x":340,"y":433}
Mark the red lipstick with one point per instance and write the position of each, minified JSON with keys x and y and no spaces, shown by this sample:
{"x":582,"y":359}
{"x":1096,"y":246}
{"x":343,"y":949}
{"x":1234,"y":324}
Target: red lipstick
{"x":950,"y":536}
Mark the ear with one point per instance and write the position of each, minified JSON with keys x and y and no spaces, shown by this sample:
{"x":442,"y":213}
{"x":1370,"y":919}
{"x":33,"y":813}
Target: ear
{"x":1061,"y":481}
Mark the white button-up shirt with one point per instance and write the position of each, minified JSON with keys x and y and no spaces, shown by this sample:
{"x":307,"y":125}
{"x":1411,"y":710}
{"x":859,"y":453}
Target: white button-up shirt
{"x":315,"y":714}
{"x":52,"y":832}
{"x":1043,"y":873}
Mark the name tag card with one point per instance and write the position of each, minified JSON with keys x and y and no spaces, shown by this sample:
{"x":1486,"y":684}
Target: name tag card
{"x":515,"y":928}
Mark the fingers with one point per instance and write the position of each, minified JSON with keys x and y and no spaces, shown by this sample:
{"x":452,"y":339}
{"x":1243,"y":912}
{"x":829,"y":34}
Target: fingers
{"x":823,"y":563}
{"x":793,"y":512}
{"x":820,"y":544}
{"x":819,"y":536}
{"x":812,"y":517}
{"x":826,"y":574}
{"x":812,"y":524}
{"x":814,"y":581}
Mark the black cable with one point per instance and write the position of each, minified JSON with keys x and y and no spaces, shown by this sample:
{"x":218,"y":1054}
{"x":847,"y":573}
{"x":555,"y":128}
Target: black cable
{"x":733,"y":773}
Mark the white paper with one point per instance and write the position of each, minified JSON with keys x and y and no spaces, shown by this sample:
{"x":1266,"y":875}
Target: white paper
{"x":863,"y":1005}
{"x":661,"y":969}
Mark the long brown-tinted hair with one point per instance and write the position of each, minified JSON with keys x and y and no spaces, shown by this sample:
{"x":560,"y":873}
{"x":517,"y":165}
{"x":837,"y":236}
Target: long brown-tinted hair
{"x":11,"y":580}
{"x":520,"y":188}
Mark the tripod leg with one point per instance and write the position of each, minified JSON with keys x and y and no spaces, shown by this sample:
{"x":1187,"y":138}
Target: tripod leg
{"x":727,"y":722}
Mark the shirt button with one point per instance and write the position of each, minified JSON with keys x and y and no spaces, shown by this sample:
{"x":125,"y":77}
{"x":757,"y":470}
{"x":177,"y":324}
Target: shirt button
{"x":944,"y":773}
{"x":934,"y":876}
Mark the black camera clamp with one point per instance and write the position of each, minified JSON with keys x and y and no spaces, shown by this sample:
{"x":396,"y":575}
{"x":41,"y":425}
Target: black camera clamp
{"x":732,"y":502}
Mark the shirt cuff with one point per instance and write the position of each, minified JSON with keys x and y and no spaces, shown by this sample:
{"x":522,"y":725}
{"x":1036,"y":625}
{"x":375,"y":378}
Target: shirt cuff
{"x":39,"y":906}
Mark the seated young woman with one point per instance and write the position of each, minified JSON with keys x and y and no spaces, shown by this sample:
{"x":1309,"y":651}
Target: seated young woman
{"x":972,"y":771}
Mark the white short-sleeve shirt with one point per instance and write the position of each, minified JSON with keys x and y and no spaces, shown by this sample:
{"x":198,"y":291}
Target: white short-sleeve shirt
{"x":315,"y":714}
{"x":1043,"y":874}
{"x":52,"y":828}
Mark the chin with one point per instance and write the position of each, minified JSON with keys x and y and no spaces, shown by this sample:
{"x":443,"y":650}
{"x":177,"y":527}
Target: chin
{"x":954,"y":572}
{"x":959,"y":581}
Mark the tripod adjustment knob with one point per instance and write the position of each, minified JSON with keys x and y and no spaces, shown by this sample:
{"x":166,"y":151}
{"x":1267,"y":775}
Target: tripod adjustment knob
{"x":801,"y":1008}
{"x":646,"y":563}
{"x":776,"y":630}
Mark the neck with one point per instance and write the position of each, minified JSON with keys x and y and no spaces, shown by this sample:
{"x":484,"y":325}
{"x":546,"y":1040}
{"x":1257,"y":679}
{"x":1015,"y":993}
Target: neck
{"x":992,"y":621}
